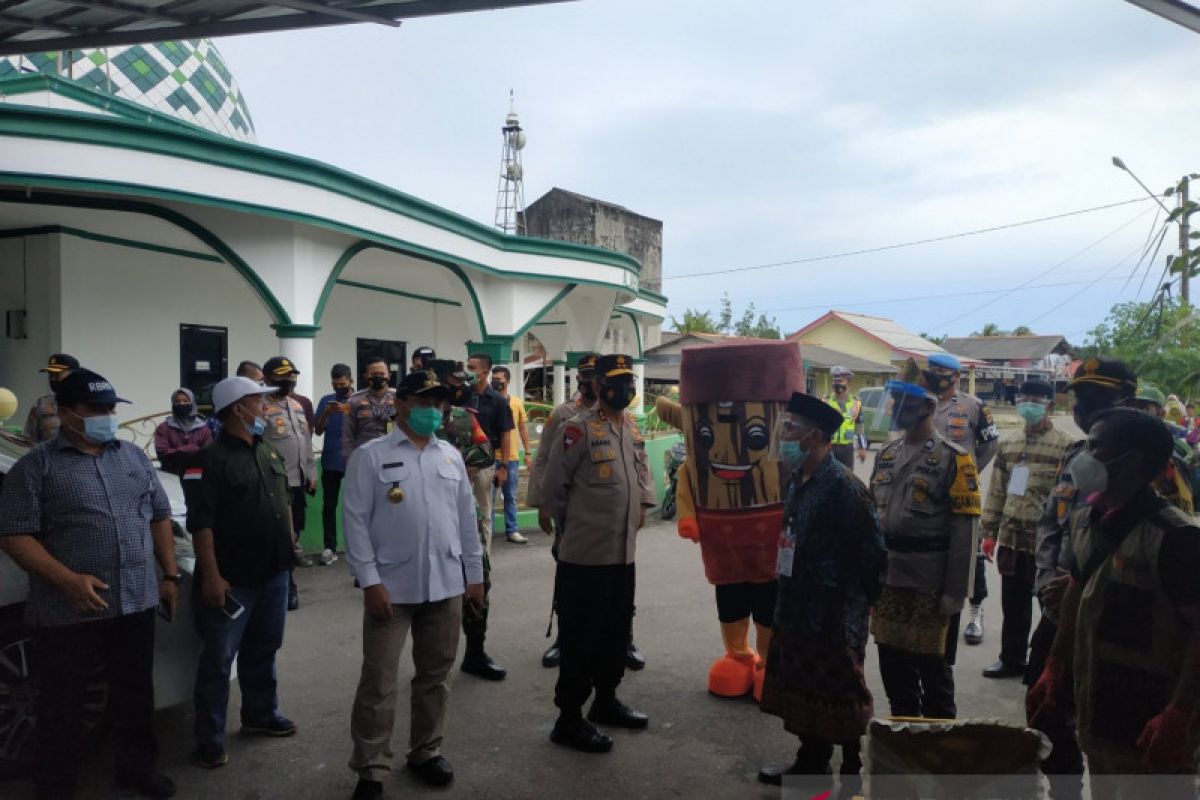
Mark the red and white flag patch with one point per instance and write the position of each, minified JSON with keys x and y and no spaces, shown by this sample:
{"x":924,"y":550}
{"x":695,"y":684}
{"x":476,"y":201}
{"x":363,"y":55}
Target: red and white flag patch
{"x":571,"y":435}
{"x":193,"y":474}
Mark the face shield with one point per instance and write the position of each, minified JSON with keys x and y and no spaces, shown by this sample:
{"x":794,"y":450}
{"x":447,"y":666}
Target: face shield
{"x":901,"y":403}
{"x":789,"y":431}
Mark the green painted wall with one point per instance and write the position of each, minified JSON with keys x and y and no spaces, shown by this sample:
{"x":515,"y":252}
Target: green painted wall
{"x":526,"y":519}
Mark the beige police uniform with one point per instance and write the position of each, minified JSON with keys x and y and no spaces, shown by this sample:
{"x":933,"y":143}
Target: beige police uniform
{"x":550,"y":433}
{"x":288,"y":431}
{"x":966,"y":421}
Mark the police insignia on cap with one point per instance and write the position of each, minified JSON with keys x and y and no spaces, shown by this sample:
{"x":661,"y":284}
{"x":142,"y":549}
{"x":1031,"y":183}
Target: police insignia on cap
{"x":395,"y":494}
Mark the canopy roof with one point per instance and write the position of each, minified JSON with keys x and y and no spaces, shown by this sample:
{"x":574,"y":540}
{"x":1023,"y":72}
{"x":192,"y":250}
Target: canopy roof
{"x":39,"y":26}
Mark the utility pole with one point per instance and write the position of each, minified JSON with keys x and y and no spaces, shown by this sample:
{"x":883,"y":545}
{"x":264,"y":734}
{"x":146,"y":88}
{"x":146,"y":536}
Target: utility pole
{"x":1184,"y":240}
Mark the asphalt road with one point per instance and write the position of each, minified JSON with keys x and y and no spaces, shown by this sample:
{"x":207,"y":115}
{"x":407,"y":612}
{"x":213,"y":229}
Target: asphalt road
{"x":497,"y":733}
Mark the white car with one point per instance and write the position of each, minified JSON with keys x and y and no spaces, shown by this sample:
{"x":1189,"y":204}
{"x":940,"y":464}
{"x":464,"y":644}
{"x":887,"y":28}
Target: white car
{"x":176,"y":644}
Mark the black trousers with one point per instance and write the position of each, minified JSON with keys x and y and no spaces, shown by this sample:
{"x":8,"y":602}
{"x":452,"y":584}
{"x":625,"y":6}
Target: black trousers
{"x":595,"y":612}
{"x":1016,"y":601}
{"x":331,"y":487}
{"x":979,"y":589}
{"x":917,"y":685}
{"x":123,"y":647}
{"x":474,"y":623}
{"x":815,"y":754}
{"x":845,"y":454}
{"x":1064,"y":767}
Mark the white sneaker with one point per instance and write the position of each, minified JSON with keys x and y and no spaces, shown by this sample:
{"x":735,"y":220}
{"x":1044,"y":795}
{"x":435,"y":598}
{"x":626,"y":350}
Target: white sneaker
{"x":517,"y":538}
{"x":328,"y":557}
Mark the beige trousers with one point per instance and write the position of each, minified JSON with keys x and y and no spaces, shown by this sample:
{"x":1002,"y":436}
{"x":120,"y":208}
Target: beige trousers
{"x":435,"y":631}
{"x":481,"y":484}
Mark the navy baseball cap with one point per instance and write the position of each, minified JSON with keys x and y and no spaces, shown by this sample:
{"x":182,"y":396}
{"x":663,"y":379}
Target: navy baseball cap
{"x":87,"y":387}
{"x":424,"y":352}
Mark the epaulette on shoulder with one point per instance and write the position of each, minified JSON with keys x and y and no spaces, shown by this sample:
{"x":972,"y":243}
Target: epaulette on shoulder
{"x":957,"y":448}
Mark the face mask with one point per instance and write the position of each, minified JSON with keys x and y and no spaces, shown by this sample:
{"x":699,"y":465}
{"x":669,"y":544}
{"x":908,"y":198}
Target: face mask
{"x":839,"y":387}
{"x":617,"y":396}
{"x":341,"y":392}
{"x":937,"y":383}
{"x":257,"y":426}
{"x":101,"y":429}
{"x":424,"y":420}
{"x":1089,"y":474}
{"x":183,"y":411}
{"x":377,"y":381}
{"x":1033,"y":413}
{"x":792,"y":454}
{"x":283,"y":387}
{"x":461,"y":395}
{"x":908,"y":416}
{"x":587,"y":391}
{"x":498,"y":386}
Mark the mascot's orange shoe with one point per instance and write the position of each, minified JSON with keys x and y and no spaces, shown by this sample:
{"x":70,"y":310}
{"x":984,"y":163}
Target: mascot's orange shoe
{"x":760,"y":672}
{"x":732,"y":675}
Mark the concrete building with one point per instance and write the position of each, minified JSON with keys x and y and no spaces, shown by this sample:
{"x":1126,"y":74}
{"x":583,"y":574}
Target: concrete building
{"x":1008,"y":360}
{"x":161,"y":247}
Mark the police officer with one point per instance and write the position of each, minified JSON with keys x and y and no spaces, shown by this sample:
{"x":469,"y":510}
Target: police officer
{"x":927,"y":493}
{"x":412,"y":542}
{"x":42,"y":423}
{"x":288,"y":432}
{"x":461,"y":430}
{"x":849,"y":437}
{"x":371,"y":410}
{"x":967,"y":421}
{"x":423,"y":358}
{"x":597,"y":489}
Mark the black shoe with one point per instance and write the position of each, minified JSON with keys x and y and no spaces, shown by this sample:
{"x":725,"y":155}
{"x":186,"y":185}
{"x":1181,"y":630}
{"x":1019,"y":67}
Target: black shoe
{"x":774,"y":775}
{"x":367,"y":790}
{"x":580,"y":735}
{"x":293,"y":599}
{"x":483,"y":666}
{"x":155,"y":785}
{"x":615,"y":713}
{"x":434,"y":772}
{"x":1003,"y":670}
{"x":280,"y":726}
{"x":552,"y":656}
{"x":634,"y":659}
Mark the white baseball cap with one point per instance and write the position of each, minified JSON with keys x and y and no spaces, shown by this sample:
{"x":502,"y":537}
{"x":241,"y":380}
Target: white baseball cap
{"x":230,"y":390}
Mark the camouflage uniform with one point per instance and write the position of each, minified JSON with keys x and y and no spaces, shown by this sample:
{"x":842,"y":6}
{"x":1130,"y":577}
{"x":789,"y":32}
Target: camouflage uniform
{"x":367,"y":417}
{"x":41,"y":424}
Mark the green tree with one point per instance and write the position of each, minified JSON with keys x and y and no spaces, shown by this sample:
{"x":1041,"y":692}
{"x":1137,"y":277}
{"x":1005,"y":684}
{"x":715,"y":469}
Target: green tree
{"x":1160,"y":340}
{"x":725,"y":319}
{"x":695,"y":322}
{"x":1022,"y":330}
{"x":991,"y":329}
{"x":929,"y":337}
{"x":763,"y":327}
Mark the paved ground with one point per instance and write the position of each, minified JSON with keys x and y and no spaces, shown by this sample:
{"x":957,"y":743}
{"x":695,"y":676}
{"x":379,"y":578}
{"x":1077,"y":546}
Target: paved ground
{"x":697,"y":745}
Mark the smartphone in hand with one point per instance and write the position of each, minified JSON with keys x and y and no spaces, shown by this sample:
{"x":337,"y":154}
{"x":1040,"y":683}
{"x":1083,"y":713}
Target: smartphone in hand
{"x":232,"y":608}
{"x":165,"y":612}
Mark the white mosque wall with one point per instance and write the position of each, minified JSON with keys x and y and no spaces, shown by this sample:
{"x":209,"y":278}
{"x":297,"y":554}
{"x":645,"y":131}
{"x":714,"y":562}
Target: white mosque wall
{"x":29,"y":278}
{"x":122,"y":308}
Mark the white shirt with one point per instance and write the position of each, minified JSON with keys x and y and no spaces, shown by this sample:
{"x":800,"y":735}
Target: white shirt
{"x":421,"y":547}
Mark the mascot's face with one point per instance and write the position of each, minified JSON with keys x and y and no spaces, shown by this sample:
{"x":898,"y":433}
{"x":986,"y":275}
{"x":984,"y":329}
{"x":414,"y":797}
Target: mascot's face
{"x":729,"y":441}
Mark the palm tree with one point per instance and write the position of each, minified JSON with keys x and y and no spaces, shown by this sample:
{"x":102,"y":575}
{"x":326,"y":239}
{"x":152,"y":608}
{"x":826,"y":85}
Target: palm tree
{"x":990,"y":329}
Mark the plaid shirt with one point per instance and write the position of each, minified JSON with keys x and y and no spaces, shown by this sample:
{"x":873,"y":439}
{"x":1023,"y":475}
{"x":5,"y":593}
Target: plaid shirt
{"x":92,"y":514}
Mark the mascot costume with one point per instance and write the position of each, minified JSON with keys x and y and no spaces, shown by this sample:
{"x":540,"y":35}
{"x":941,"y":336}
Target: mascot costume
{"x":730,"y":490}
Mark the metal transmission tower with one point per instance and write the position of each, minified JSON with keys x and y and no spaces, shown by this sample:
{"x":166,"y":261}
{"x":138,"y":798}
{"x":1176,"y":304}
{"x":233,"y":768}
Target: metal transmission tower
{"x":510,"y":194}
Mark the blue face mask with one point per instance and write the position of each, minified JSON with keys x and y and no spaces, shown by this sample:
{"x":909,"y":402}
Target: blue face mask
{"x":1033,"y":413}
{"x":792,"y":454}
{"x":258,"y":426}
{"x":101,"y":429}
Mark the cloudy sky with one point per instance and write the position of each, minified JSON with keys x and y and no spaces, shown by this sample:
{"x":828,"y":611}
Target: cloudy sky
{"x":770,"y":131}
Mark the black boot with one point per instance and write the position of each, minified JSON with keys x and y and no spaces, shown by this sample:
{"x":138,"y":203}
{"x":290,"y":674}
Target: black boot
{"x":807,"y":763}
{"x":634,"y":659}
{"x":575,"y":732}
{"x":611,"y":711}
{"x":478,"y":662}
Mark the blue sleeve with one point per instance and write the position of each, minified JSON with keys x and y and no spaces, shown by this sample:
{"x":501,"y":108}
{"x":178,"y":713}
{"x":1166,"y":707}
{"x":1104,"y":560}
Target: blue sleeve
{"x":21,"y":498}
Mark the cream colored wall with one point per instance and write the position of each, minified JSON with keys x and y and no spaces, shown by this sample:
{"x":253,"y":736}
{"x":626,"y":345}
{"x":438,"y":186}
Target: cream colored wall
{"x":29,"y":280}
{"x":838,"y":335}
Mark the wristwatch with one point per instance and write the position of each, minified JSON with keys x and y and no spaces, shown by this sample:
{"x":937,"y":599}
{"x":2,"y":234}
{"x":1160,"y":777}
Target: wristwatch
{"x":171,"y":578}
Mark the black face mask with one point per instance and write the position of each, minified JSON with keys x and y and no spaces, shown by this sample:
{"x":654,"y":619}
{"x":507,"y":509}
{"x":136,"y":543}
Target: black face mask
{"x":839,"y":388}
{"x":182,"y":410}
{"x":498,"y":386}
{"x":341,"y":392}
{"x":461,"y":395}
{"x":937,"y":383}
{"x":283,"y":387}
{"x":587,"y":391}
{"x":617,"y":396}
{"x":377,"y":381}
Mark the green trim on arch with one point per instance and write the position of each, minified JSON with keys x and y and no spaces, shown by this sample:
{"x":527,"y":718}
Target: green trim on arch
{"x":410,"y":250}
{"x":203,"y":147}
{"x":79,"y":233}
{"x":498,"y":348}
{"x":226,"y":252}
{"x":370,"y":287}
{"x":296,"y":331}
{"x":637,"y":329}
{"x":653,"y":297}
{"x":546,"y":309}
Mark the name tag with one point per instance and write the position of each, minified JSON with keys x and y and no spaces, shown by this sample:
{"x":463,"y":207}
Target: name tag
{"x":1018,"y":481}
{"x":783,"y":562}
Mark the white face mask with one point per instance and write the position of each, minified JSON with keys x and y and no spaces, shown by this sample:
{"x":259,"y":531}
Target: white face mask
{"x":1090,"y":474}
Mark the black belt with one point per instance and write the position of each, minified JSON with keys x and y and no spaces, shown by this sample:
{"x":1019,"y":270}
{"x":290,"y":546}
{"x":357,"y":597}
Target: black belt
{"x":916,"y":544}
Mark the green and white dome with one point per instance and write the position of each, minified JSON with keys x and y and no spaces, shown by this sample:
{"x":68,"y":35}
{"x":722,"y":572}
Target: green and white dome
{"x":186,"y":79}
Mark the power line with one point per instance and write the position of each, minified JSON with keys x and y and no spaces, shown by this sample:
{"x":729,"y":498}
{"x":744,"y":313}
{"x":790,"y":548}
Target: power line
{"x":1043,"y":274}
{"x":948,"y":295}
{"x":1102,"y":276}
{"x":886,"y":247}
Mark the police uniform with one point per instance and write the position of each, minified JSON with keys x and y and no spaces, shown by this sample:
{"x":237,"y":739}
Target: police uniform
{"x":597,"y":487}
{"x":561,"y":413}
{"x":409,"y":522}
{"x":928,"y":502}
{"x":368,"y":417}
{"x":41,"y":424}
{"x":849,"y":433}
